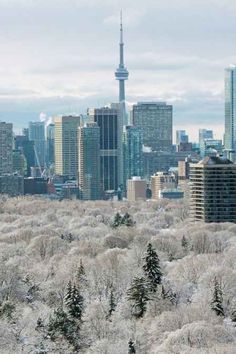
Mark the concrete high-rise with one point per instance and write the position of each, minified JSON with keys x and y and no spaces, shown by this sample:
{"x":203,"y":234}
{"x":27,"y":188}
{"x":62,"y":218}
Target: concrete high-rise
{"x":6,"y":148}
{"x":66,"y":145}
{"x":122,"y":75}
{"x":136,"y":189}
{"x":37,"y":134}
{"x":89,"y":161}
{"x":230,"y":108}
{"x":160,"y":181}
{"x":155,"y":121}
{"x":109,"y":119}
{"x":213,"y":190}
{"x":133,"y":152}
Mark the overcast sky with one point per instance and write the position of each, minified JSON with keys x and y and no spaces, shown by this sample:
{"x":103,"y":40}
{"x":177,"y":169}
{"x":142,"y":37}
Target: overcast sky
{"x":59,"y":56}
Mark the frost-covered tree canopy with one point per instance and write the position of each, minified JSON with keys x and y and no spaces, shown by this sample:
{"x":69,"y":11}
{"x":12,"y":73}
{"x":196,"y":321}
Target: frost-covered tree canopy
{"x":66,"y":272}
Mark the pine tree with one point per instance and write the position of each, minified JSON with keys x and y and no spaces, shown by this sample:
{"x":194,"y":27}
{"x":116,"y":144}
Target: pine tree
{"x":112,"y":303}
{"x":74,"y":302}
{"x":217,"y":299}
{"x":117,"y":220}
{"x":61,"y":324}
{"x":81,"y":275}
{"x":127,"y":220}
{"x":131,"y":347}
{"x":138,"y":294}
{"x":184,"y":243}
{"x":68,"y":291}
{"x":152,"y":268}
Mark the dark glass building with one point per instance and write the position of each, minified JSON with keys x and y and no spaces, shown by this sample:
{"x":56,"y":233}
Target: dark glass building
{"x":23,"y":143}
{"x":89,"y":161}
{"x":155,"y":121}
{"x":111,"y":159}
{"x":133,"y":154}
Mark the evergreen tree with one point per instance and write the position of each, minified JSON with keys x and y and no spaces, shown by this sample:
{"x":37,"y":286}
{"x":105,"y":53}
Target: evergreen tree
{"x":138,"y":294}
{"x":233,"y":316}
{"x":217,"y":299}
{"x":81,"y":275}
{"x":74,"y":302}
{"x":127,"y":220}
{"x":117,"y":220}
{"x":112,"y":303}
{"x":184,"y":243}
{"x":152,"y":268}
{"x":60,"y":324}
{"x":68,"y":291}
{"x":131,"y":347}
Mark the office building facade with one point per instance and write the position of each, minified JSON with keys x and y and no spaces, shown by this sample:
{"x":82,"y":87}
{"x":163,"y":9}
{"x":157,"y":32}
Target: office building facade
{"x":160,"y":181}
{"x":155,"y":121}
{"x":136,"y":189}
{"x":204,"y":134}
{"x":37,"y":134}
{"x":6,"y":147}
{"x":181,"y":137}
{"x":133,"y":152}
{"x":109,"y":120}
{"x":230,"y":108}
{"x":89,"y":161}
{"x":66,"y":145}
{"x":213,"y":190}
{"x":50,"y":144}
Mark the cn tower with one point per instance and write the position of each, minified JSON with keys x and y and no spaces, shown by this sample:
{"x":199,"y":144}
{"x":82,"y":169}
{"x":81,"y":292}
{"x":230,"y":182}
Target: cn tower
{"x":121,"y":73}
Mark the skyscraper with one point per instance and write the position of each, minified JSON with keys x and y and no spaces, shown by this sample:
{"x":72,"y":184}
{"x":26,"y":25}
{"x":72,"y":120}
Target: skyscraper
{"x":230,"y":108}
{"x":6,"y":147}
{"x":181,"y":137}
{"x":66,"y":145}
{"x":23,"y":143}
{"x":122,"y":74}
{"x":109,"y":119}
{"x":155,"y":121}
{"x":89,"y":161}
{"x":50,"y":130}
{"x":133,"y":152}
{"x":37,"y":134}
{"x":203,"y":135}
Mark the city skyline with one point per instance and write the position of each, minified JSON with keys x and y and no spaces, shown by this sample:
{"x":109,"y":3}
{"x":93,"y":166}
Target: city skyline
{"x":44,"y":71}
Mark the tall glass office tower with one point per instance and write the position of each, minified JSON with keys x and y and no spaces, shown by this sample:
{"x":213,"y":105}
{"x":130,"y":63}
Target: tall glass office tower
{"x":230,"y":108}
{"x":133,"y":154}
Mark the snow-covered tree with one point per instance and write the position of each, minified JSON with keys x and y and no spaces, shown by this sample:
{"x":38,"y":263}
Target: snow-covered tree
{"x":131,"y":347}
{"x":74,"y":302}
{"x":217,"y":298}
{"x":138,"y":296}
{"x":152,"y":268}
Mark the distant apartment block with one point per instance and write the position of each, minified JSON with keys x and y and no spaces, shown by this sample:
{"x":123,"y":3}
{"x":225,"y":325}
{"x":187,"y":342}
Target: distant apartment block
{"x":136,"y":189}
{"x":213,"y":190}
{"x":66,"y":145}
{"x":160,"y":181}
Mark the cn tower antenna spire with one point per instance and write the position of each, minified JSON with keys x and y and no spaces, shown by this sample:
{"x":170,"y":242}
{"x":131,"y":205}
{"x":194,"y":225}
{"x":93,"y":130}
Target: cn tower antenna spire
{"x":121,"y":73}
{"x":121,"y":27}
